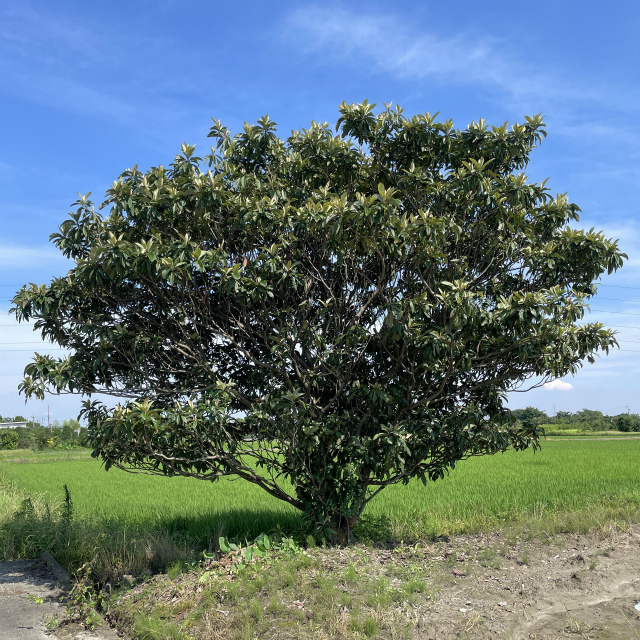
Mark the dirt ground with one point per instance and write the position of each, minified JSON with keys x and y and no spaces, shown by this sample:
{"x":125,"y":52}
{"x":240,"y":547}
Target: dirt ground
{"x":490,"y":586}
{"x":580,"y":586}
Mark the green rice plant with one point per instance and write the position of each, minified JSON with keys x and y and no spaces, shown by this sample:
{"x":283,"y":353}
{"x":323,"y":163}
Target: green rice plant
{"x":180,"y":506}
{"x":569,"y":485}
{"x":586,"y":478}
{"x":31,"y":523}
{"x":17,"y":454}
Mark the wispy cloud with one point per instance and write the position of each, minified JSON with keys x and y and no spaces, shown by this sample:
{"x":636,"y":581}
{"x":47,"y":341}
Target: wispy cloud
{"x":627,"y":232}
{"x":47,"y":57}
{"x":14,"y":256}
{"x":392,"y":46}
{"x":86,"y":67}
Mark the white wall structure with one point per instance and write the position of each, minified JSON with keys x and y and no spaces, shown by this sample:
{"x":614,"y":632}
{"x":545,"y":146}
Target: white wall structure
{"x":12,"y":425}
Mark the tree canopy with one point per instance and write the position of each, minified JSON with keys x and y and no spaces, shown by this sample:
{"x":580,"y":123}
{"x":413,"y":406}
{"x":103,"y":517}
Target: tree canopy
{"x":323,"y":315}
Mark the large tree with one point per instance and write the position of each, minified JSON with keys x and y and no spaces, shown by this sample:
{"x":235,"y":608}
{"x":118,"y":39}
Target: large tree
{"x":324,"y":315}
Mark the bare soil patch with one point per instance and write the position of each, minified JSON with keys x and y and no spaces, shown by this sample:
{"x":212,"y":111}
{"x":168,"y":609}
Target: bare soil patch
{"x":573,"y":586}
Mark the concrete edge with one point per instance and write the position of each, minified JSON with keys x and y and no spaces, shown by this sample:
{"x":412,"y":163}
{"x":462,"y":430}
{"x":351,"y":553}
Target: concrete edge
{"x":63,"y":578}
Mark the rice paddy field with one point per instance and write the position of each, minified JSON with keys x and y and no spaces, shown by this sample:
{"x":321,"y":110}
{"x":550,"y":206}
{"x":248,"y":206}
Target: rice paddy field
{"x":569,"y":478}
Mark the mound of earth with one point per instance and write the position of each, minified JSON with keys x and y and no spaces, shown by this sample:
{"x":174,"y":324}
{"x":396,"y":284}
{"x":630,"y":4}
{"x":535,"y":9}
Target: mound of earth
{"x":487,"y":586}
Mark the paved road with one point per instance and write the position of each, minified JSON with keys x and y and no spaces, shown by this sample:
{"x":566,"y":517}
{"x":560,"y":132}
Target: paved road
{"x":23,"y":583}
{"x":20,"y":617}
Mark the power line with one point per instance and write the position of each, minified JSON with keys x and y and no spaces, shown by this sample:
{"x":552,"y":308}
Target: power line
{"x":617,"y":326}
{"x":624,"y":313}
{"x":29,"y":342}
{"x":618,"y":286}
{"x":28,"y":350}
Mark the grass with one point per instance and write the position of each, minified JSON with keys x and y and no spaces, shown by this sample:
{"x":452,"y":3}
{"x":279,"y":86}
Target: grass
{"x":553,"y":430}
{"x":296,"y":594}
{"x":177,"y":505}
{"x":136,"y":524}
{"x":28,"y":455}
{"x":494,"y":491}
{"x":129,"y":523}
{"x":480,"y":494}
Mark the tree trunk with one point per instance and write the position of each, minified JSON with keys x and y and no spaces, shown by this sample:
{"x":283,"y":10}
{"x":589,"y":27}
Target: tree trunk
{"x":329,"y":510}
{"x":343,"y":526}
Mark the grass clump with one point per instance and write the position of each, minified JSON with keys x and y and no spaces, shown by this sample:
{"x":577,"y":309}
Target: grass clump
{"x":157,"y":627}
{"x":145,"y":525}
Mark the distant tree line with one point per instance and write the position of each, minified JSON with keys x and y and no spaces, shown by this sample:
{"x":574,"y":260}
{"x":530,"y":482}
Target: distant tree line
{"x":70,"y":434}
{"x":585,"y":420}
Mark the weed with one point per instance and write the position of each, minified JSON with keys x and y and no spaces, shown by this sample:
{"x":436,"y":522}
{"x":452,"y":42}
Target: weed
{"x":176,"y":569}
{"x":370,"y":627}
{"x":67,"y":506}
{"x":84,"y":600}
{"x":488,"y":557}
{"x":52,"y":623}
{"x":150,"y":627}
{"x":255,"y":609}
{"x":248,"y":632}
{"x":350,"y":575}
{"x":414,"y":586}
{"x":181,"y":606}
{"x":328,"y":592}
{"x":274,"y":608}
{"x":577,"y":627}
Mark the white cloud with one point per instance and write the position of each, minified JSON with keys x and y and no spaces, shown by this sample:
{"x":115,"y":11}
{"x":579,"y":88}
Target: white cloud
{"x":391,"y":46}
{"x":558,"y":385}
{"x":342,"y":33}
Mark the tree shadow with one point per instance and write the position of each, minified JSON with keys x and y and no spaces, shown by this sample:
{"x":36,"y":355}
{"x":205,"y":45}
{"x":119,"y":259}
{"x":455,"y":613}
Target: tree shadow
{"x":237,"y":524}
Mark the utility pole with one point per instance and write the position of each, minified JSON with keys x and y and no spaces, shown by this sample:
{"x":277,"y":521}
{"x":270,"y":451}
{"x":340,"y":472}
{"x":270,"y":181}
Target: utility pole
{"x":48,"y":418}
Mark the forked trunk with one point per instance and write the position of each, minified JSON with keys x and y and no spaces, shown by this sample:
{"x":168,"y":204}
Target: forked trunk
{"x":343,"y":526}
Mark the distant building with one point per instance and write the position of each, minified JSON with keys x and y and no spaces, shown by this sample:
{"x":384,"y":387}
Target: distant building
{"x":12,"y":425}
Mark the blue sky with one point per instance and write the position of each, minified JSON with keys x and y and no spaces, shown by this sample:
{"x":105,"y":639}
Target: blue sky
{"x":90,"y":89}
